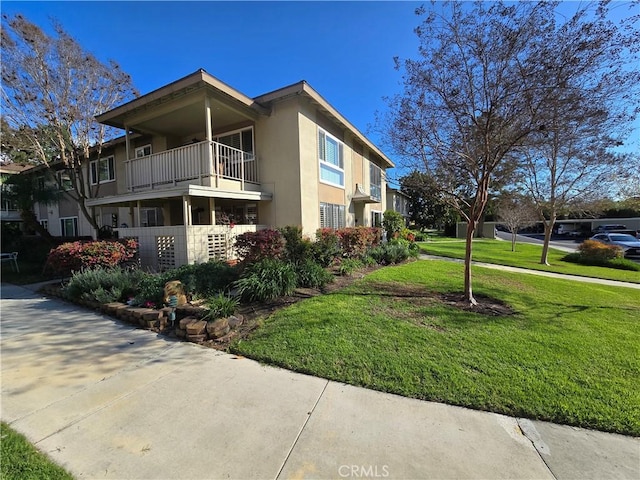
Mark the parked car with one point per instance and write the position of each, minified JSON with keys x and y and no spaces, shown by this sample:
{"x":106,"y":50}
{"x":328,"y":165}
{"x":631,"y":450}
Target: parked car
{"x":609,"y":228}
{"x":629,"y":244}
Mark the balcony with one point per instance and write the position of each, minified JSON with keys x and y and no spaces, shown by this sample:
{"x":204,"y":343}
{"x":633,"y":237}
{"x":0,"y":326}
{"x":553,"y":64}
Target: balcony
{"x":204,"y":163}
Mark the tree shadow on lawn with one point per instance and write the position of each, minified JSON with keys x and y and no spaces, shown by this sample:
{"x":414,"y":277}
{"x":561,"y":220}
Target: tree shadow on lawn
{"x":487,"y":306}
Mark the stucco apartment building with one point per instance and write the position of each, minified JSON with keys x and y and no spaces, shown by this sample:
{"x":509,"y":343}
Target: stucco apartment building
{"x":200,"y":163}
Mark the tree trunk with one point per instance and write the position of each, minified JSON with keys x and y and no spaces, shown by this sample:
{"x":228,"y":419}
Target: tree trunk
{"x":548,"y":230}
{"x":513,"y":241}
{"x":89,"y":217}
{"x":30,"y":221}
{"x":468,"y":292}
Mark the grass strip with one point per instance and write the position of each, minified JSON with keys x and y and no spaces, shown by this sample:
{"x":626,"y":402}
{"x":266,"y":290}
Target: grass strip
{"x":526,"y":256}
{"x":570,"y":354}
{"x":22,"y":461}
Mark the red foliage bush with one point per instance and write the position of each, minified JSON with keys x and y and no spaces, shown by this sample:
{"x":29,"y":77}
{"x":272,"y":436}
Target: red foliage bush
{"x":355,"y":241}
{"x":253,"y":246}
{"x":599,"y":251}
{"x":75,"y":256}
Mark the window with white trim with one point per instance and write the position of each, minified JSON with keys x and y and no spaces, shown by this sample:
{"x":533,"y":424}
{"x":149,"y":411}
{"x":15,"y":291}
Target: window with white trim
{"x":375,"y":181}
{"x":143,"y":151}
{"x":103,"y":170}
{"x":332,"y":215}
{"x":64,"y":181}
{"x":240,"y":139}
{"x":45,"y":224}
{"x":331,"y":157}
{"x":69,"y":226}
{"x":376,"y":218}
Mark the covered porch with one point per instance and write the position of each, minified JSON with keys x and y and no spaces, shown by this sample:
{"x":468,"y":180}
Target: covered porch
{"x":184,"y":225}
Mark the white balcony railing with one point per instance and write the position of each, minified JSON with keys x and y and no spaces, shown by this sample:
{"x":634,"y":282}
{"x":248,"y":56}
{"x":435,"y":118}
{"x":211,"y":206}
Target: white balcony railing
{"x":191,"y":163}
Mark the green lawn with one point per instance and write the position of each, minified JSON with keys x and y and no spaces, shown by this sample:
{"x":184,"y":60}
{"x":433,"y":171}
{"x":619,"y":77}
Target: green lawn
{"x":571,"y":353}
{"x":19,"y":460}
{"x":526,"y":256}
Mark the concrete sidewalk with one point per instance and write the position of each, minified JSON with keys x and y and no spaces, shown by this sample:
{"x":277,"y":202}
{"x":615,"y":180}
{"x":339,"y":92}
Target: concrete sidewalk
{"x":540,"y":273}
{"x":106,"y":400}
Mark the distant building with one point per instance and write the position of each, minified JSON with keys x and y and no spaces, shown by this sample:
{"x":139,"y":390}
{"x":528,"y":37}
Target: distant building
{"x":398,"y":202}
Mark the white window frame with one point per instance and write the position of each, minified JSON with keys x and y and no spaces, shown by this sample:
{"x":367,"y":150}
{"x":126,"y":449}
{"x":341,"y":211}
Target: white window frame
{"x":375,"y":189}
{"x":62,"y":226}
{"x":332,"y":215}
{"x":95,"y":170}
{"x":373,"y":215}
{"x":239,"y":131}
{"x":66,"y":185}
{"x":141,"y":151}
{"x":323,"y":135}
{"x":45,"y":224}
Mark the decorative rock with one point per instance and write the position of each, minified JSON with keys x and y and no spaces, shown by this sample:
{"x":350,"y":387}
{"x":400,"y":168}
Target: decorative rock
{"x":197,"y":328}
{"x":227,"y":338}
{"x":151,"y":315}
{"x":197,"y":338}
{"x":218,"y":327}
{"x":186,"y":321}
{"x":235,"y":320}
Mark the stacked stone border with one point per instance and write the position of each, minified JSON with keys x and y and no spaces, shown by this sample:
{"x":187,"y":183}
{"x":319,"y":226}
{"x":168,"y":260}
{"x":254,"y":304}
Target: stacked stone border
{"x":189,"y":323}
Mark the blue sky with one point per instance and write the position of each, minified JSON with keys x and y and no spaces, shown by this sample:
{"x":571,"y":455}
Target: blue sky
{"x":344,"y":50}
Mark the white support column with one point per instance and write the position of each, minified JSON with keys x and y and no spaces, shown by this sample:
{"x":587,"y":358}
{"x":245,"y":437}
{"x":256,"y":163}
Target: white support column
{"x":186,"y":210}
{"x":212,"y":210}
{"x":139,"y":218}
{"x":128,"y":171}
{"x":127,"y":142}
{"x":209,"y":129}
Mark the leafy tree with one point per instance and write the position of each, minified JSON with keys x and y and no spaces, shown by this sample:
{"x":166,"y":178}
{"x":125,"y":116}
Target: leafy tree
{"x":51,"y":91}
{"x":25,"y":190}
{"x":428,"y":207}
{"x":392,"y":222}
{"x":484,"y":86}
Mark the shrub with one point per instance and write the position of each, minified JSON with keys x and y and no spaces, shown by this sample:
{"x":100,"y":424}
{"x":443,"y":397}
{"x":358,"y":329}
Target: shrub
{"x":392,"y":252}
{"x":348,"y":266}
{"x":297,"y":248}
{"x":74,"y":256}
{"x":221,"y":306}
{"x":203,"y":279}
{"x":420,"y":236}
{"x":592,"y":249}
{"x":254,"y":246}
{"x":103,"y":284}
{"x":266,"y":279}
{"x":311,"y":275}
{"x":618,"y":263}
{"x":355,"y":241}
{"x":393,"y":222}
{"x":326,"y":248}
{"x":150,"y":290}
{"x":199,"y":280}
{"x":101,"y":295}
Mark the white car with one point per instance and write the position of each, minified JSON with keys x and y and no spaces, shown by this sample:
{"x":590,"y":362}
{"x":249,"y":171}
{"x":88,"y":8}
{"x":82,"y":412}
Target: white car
{"x":629,"y":244}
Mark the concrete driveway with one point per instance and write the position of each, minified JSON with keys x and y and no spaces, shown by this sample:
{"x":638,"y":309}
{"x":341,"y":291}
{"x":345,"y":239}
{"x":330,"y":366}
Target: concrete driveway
{"x":106,"y":400}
